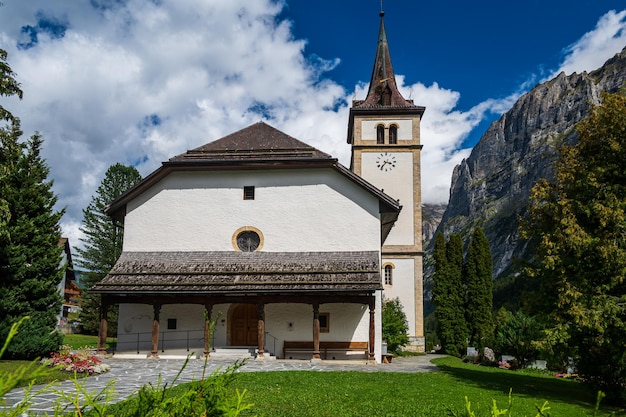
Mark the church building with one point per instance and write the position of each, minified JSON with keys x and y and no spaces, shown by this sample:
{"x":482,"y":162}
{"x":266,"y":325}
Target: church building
{"x":289,"y":253}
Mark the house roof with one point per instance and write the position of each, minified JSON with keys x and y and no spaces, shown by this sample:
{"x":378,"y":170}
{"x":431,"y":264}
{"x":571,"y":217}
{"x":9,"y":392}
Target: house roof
{"x":258,"y":142}
{"x":215,"y":273}
{"x":259,"y":146}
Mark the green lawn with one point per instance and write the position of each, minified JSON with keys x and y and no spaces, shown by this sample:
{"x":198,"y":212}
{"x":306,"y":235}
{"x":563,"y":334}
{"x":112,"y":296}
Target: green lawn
{"x":78,"y":341}
{"x":75,"y":341}
{"x":337,"y":394}
{"x":313,"y":393}
{"x":51,"y":375}
{"x":307,"y":393}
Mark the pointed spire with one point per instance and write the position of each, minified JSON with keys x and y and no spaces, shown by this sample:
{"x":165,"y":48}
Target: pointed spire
{"x":383,"y":90}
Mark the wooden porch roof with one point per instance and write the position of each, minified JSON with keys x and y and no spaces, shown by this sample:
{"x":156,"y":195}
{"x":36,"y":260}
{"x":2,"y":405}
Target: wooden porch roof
{"x":242,"y":272}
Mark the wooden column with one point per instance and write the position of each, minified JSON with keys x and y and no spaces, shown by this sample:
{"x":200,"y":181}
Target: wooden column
{"x":316,"y":331}
{"x":261,"y":331}
{"x":372,"y":334}
{"x":154,"y":353}
{"x":208,"y":311}
{"x":102,"y":335}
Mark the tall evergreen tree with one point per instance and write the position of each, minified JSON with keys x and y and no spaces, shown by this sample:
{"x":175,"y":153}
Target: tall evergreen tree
{"x":579,"y":222}
{"x":102,"y":242}
{"x":29,"y":252}
{"x":458,"y":289}
{"x":449,"y":294}
{"x":478,"y":275}
{"x":8,"y":87}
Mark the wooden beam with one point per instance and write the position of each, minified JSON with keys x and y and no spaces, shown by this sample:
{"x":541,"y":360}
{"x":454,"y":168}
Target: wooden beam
{"x":372,"y":334}
{"x":102,"y":335}
{"x":208,"y":311}
{"x":154,"y":353}
{"x":261,"y":331}
{"x":316,"y":331}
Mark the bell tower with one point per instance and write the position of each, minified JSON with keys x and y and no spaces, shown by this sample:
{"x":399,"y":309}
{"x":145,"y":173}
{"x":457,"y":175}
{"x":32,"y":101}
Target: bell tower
{"x":384,"y":133}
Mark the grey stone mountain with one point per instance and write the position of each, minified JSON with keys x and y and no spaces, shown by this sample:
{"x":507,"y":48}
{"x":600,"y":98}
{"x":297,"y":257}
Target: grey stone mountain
{"x":491,"y":187}
{"x":431,"y":217}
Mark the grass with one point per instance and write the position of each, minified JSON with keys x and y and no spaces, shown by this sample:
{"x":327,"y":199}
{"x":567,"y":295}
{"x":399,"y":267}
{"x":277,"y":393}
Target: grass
{"x":75,"y":341}
{"x":51,"y":376}
{"x":78,"y":341}
{"x":309,"y":393}
{"x":313,"y":393}
{"x":337,"y":394}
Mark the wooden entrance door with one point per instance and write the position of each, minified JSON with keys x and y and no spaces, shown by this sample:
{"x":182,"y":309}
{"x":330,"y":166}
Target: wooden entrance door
{"x":244,"y":325}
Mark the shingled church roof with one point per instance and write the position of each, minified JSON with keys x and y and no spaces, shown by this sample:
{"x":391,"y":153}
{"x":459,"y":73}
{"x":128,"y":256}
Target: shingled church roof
{"x":258,"y":142}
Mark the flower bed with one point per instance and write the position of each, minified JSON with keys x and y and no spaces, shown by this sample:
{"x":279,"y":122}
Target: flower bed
{"x":80,"y":362}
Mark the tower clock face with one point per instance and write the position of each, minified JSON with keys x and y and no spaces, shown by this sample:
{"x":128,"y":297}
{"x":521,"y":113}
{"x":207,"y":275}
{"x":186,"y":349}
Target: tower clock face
{"x":386,"y":162}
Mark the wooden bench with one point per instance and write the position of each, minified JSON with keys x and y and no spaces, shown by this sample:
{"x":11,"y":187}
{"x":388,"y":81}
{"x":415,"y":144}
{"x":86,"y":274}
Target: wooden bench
{"x":327,"y":349}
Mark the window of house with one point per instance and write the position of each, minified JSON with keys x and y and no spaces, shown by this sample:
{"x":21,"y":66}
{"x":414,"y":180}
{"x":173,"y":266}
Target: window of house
{"x":388,"y":275}
{"x":248,"y":241}
{"x":171,"y":324}
{"x":324,"y":322}
{"x":393,"y":134}
{"x":380,"y":134}
{"x":248,"y":192}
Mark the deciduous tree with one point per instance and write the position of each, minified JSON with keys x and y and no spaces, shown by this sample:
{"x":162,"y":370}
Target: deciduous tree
{"x":395,"y":325}
{"x":579,"y":222}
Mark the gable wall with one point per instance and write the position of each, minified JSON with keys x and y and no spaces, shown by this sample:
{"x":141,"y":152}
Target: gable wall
{"x":295,"y":210}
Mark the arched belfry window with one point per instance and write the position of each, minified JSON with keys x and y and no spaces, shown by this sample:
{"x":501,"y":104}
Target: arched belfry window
{"x":393,"y":134}
{"x":388,"y":274}
{"x":380,"y":134}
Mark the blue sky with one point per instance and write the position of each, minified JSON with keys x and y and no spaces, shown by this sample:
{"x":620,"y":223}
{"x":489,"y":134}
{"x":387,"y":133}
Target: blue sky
{"x":139,"y":81}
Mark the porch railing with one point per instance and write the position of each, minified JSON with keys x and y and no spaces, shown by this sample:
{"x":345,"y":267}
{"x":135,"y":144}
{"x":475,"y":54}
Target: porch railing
{"x":174,"y":339}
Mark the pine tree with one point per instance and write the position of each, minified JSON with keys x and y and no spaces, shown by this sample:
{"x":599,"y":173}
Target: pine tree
{"x":449,"y":294}
{"x":8,"y":87}
{"x":478,"y":275}
{"x":102,"y":243}
{"x":29,"y":252}
{"x":579,"y":222}
{"x":454,"y":254}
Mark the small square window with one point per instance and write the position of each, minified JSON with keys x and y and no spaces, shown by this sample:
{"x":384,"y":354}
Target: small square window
{"x":171,"y":324}
{"x":248,"y":192}
{"x":324,"y":322}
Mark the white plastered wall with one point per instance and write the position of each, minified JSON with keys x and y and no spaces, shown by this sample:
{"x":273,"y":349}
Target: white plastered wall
{"x":402,"y":232}
{"x":295,"y":210}
{"x":291,"y":322}
{"x":402,"y":287}
{"x":405,"y":128}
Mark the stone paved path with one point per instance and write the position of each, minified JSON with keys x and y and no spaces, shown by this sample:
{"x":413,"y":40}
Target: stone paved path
{"x":129,"y":375}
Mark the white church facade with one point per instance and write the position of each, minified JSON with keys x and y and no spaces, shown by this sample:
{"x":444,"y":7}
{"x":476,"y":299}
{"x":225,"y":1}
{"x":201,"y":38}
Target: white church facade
{"x":287,"y":251}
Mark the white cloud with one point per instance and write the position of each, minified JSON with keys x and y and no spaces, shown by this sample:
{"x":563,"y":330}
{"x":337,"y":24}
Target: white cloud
{"x":139,"y":81}
{"x":596,"y":46}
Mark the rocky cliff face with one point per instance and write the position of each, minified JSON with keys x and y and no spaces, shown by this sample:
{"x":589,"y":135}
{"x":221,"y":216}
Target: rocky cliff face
{"x":431,"y":217}
{"x":491,"y":187}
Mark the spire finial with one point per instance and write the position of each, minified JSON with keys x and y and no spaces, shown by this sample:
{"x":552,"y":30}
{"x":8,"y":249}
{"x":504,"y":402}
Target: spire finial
{"x":382,"y":13}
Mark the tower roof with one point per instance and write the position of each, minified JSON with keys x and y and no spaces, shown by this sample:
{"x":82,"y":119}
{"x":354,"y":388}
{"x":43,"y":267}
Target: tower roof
{"x":383,"y":91}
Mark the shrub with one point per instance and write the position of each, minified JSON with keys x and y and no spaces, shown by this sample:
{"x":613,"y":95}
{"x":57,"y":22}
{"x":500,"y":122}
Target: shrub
{"x":34,"y":339}
{"x":518,"y":336}
{"x":395,"y":325}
